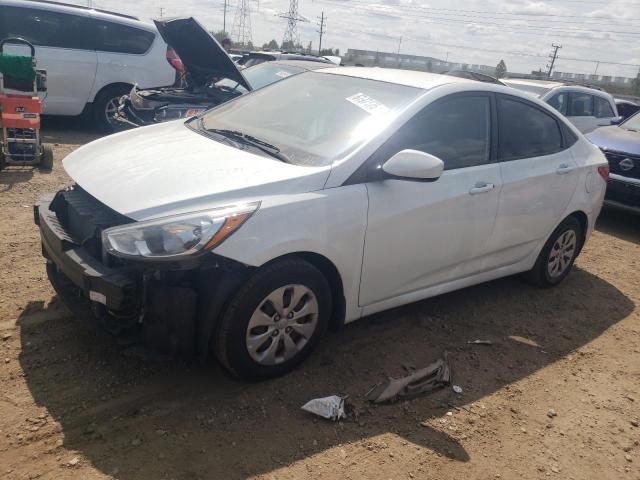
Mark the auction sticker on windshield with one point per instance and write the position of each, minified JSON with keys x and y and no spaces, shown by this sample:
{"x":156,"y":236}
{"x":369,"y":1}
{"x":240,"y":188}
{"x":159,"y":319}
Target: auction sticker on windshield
{"x":368,"y":104}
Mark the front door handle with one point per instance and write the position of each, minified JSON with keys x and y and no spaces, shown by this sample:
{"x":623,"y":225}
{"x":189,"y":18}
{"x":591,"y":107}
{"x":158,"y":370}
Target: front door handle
{"x":564,"y":168}
{"x":481,"y":187}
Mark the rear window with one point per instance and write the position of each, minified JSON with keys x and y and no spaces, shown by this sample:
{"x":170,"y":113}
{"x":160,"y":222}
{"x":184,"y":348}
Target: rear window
{"x":525,"y":131}
{"x":45,"y":28}
{"x":118,"y":38}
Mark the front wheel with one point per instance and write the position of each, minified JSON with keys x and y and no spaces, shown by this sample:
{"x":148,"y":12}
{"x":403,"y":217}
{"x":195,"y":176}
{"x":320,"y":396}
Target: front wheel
{"x":558,"y":255}
{"x":274,"y":321}
{"x":46,"y":158}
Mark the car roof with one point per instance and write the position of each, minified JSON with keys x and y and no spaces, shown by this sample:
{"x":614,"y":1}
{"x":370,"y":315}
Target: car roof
{"x":556,"y":86}
{"x":410,"y":78}
{"x":534,"y":83}
{"x":81,"y":10}
{"x":306,"y":64}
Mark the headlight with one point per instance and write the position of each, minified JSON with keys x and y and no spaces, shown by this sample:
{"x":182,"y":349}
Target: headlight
{"x":178,"y":235}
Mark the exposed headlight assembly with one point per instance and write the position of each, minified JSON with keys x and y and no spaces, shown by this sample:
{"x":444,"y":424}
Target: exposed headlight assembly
{"x":176,"y":236}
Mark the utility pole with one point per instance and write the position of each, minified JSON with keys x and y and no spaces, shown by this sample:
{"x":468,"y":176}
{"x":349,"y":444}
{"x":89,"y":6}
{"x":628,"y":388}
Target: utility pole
{"x":597,"y":65}
{"x":398,"y":54}
{"x":224,"y":16}
{"x":161,"y":11}
{"x":241,"y":29}
{"x":321,"y":32}
{"x":553,"y":57}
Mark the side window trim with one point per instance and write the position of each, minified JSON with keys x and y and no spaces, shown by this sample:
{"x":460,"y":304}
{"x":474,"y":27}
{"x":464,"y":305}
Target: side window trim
{"x":370,"y":169}
{"x":563,"y":144}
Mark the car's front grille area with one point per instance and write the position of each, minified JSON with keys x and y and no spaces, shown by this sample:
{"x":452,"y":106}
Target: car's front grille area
{"x":623,"y":164}
{"x":84,"y":218}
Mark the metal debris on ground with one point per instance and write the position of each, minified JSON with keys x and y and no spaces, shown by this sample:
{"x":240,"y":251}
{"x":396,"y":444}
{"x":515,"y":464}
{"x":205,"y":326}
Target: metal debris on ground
{"x":457,"y":389}
{"x":331,"y":408}
{"x":480,"y":342}
{"x":424,"y":380}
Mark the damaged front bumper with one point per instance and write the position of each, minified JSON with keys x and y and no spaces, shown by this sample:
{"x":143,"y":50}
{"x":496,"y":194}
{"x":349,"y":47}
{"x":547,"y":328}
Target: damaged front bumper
{"x":170,"y":307}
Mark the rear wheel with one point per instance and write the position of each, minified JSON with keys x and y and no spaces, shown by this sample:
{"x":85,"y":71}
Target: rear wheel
{"x":274,"y":321}
{"x":105,"y":107}
{"x":46,"y":160}
{"x":558,"y":255}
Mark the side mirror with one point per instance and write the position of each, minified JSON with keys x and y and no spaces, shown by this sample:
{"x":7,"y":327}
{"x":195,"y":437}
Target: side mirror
{"x":413,"y":164}
{"x":617,"y":120}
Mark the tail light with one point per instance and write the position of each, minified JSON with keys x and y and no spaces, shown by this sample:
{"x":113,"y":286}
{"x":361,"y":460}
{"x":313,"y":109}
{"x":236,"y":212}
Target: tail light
{"x":174,"y":60}
{"x":604,"y":172}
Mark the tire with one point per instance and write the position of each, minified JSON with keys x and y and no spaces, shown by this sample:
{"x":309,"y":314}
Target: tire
{"x":46,"y":160}
{"x":251,"y":342}
{"x":105,"y":100}
{"x":2,"y":162}
{"x":568,"y":240}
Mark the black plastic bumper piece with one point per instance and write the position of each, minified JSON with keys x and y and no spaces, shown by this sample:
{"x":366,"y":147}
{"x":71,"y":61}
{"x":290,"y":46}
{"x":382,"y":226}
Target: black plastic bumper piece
{"x":116,"y":289}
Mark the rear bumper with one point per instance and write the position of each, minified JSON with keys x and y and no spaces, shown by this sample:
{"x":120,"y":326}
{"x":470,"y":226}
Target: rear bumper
{"x":116,"y":289}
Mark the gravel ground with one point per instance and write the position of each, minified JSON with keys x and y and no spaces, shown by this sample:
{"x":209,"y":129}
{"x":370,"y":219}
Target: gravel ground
{"x":556,"y":395}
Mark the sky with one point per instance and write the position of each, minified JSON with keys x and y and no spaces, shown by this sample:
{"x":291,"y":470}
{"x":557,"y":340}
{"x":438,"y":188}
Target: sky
{"x":472,"y":31}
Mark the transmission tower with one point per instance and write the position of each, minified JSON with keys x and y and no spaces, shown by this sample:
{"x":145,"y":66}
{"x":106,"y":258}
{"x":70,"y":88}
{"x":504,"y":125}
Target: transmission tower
{"x":241,"y":31}
{"x":291,"y":36}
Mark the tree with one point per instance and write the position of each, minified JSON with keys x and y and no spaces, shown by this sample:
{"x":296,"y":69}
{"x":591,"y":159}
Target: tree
{"x":330,"y":52}
{"x":272,"y":45}
{"x":501,"y":69}
{"x":220,"y":35}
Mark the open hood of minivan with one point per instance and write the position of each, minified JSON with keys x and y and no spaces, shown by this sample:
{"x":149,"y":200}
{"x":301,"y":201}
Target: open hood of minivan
{"x":200,"y":52}
{"x":168,"y":169}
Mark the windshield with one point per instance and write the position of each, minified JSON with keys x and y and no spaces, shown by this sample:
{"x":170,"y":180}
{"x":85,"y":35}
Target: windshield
{"x":534,"y":90}
{"x":260,"y":76}
{"x":632,"y":123}
{"x":312,"y":118}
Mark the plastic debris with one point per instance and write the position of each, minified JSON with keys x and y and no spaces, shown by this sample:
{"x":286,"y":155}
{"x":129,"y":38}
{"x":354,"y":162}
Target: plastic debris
{"x":481,"y":342}
{"x":331,"y":408}
{"x":424,"y":380}
{"x":457,"y":389}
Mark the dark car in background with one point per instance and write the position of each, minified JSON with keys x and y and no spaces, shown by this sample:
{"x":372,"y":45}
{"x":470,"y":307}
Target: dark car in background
{"x":626,"y":108}
{"x":621,"y":146}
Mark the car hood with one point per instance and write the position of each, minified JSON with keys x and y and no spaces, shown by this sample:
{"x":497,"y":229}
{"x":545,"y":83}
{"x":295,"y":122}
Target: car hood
{"x":616,"y":139}
{"x":200,"y":52}
{"x":168,"y":169}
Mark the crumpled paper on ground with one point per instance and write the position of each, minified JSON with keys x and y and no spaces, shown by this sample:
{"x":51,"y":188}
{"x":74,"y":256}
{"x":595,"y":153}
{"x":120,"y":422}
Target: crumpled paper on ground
{"x":331,"y":408}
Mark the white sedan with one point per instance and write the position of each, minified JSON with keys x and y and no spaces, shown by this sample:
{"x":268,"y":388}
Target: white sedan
{"x":249,"y":230}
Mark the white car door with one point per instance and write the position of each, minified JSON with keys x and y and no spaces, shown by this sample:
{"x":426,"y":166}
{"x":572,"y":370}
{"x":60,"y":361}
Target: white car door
{"x":539,"y":177}
{"x":420,"y":234}
{"x":63,"y":48}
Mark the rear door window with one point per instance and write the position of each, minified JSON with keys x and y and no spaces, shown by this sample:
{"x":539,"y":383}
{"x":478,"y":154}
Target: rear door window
{"x":603,"y":108}
{"x":581,"y":105}
{"x":45,"y":28}
{"x":118,"y":38}
{"x":525,"y":131}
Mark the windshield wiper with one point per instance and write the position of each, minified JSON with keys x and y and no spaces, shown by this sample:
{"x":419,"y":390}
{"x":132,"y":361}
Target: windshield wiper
{"x":255,"y":142}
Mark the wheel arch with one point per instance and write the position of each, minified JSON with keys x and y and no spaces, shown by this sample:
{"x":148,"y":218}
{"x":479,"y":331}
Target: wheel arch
{"x":584,"y":223}
{"x":110,"y":85}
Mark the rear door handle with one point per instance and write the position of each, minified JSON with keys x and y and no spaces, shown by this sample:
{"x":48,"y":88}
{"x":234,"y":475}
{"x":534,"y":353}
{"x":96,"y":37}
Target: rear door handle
{"x":481,"y":187}
{"x":564,"y":168}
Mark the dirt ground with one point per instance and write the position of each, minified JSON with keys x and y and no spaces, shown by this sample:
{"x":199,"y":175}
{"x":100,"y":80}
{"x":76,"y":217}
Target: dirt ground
{"x":72,"y":405}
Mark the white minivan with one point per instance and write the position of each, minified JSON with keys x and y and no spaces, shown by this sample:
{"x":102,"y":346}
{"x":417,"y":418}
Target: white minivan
{"x":91,"y":57}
